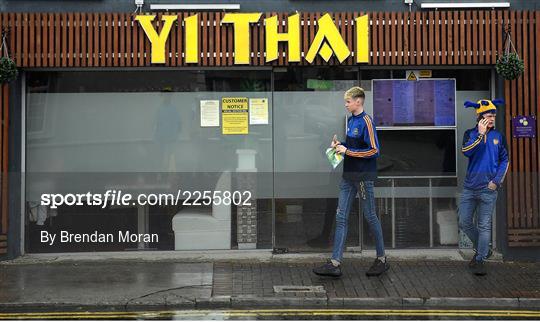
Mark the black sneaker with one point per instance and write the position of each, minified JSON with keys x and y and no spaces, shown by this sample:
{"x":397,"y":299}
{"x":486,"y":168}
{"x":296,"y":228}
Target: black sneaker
{"x":489,"y":254}
{"x":378,"y":267}
{"x":328,"y":269}
{"x":478,"y":268}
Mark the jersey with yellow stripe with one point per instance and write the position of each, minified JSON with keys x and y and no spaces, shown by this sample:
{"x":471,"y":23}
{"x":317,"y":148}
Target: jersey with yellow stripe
{"x":362,"y":149}
{"x":488,"y":158}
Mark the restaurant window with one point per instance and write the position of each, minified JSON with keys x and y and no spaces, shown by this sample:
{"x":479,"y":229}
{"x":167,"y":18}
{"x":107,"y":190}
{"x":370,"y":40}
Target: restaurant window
{"x":141,"y":132}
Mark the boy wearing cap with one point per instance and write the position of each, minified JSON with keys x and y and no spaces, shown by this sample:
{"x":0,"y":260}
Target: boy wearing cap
{"x":361,"y":148}
{"x":486,"y":150}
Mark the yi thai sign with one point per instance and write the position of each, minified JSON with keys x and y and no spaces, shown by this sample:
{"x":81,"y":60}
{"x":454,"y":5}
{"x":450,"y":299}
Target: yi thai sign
{"x":327,"y":41}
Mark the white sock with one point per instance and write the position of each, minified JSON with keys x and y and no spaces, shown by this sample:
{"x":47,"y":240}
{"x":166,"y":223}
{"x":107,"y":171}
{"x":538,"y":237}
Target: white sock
{"x":382,"y":259}
{"x":335,"y":262}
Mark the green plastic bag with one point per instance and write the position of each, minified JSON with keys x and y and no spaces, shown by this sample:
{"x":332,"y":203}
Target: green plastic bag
{"x":333,"y":157}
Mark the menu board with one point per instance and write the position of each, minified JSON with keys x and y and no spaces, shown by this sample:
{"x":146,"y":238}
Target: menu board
{"x":429,"y":102}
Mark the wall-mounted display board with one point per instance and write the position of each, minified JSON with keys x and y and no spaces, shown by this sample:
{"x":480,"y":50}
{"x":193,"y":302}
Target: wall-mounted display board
{"x":430,"y":102}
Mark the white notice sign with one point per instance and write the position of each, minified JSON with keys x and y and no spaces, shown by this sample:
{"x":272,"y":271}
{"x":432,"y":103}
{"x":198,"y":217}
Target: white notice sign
{"x":209,"y":113}
{"x":258,"y":111}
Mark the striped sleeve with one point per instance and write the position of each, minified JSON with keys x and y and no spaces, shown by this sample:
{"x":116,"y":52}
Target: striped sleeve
{"x":370,"y":137}
{"x":471,"y":141}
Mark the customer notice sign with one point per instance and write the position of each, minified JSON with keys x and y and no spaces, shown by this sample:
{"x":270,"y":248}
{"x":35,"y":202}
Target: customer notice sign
{"x":234,"y":115}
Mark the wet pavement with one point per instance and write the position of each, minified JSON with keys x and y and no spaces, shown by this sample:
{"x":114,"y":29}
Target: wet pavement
{"x":128,"y":285}
{"x":405,"y":279}
{"x":103,"y":284}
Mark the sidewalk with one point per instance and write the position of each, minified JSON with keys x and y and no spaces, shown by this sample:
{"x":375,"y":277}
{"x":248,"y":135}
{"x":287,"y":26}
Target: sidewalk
{"x":131,"y":284}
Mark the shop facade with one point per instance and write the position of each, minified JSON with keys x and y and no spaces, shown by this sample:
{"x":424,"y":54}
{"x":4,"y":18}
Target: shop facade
{"x":246,"y":102}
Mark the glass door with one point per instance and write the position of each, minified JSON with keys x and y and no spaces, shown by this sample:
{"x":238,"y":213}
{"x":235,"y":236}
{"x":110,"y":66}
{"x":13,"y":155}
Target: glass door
{"x":308,"y":111}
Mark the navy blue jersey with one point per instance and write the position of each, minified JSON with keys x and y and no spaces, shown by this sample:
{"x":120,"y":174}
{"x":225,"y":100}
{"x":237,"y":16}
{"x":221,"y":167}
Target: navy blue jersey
{"x":362,"y":149}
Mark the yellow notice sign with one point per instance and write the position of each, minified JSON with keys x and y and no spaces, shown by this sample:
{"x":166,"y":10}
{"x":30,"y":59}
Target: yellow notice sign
{"x":412,"y":76}
{"x":234,"y":115}
{"x":425,"y":73}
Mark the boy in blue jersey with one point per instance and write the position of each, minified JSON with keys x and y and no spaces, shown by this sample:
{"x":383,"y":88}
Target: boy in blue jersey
{"x":488,"y":163}
{"x":361,"y":148}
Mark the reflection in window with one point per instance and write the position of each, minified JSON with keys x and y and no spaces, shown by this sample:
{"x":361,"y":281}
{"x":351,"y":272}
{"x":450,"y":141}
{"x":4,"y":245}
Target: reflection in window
{"x":417,"y":153}
{"x":139,"y":132}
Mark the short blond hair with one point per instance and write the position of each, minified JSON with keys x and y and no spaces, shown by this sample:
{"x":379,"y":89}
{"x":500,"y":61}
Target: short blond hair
{"x":355,"y":92}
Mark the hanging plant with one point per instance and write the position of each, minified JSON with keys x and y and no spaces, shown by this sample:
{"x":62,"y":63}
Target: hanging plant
{"x":8,"y":68}
{"x":509,"y":65}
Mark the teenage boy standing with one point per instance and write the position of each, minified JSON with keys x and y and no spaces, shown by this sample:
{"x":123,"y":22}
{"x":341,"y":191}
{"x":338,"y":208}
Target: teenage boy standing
{"x":488,"y":163}
{"x":361,"y":148}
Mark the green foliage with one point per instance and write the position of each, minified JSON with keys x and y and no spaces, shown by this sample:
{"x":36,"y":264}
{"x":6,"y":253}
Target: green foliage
{"x":509,"y":66}
{"x":8,"y":70}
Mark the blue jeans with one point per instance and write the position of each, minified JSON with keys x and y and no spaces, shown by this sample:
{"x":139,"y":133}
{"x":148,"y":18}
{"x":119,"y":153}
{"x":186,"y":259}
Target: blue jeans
{"x":484,"y":202}
{"x":347,"y":193}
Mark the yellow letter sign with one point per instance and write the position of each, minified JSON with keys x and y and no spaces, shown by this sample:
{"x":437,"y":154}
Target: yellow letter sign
{"x":241,"y":23}
{"x":328,"y":30}
{"x":157,"y":41}
{"x":362,"y":39}
{"x":192,"y":39}
{"x":292,"y":37}
{"x":327,"y":41}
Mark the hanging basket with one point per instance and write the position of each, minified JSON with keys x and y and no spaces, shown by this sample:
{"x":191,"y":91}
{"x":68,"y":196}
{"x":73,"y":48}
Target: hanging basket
{"x":8,"y":70}
{"x":509,"y":65}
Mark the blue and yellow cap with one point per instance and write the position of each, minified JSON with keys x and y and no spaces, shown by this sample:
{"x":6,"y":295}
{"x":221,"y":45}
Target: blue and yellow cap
{"x":484,"y":106}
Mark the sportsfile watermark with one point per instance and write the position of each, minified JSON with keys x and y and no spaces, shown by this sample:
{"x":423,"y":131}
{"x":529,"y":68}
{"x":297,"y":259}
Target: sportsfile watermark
{"x":119,"y":198}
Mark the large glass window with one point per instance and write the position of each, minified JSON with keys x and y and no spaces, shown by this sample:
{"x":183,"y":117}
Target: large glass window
{"x":142,"y":132}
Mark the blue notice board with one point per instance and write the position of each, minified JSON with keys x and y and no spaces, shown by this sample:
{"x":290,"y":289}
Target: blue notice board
{"x":427,"y":102}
